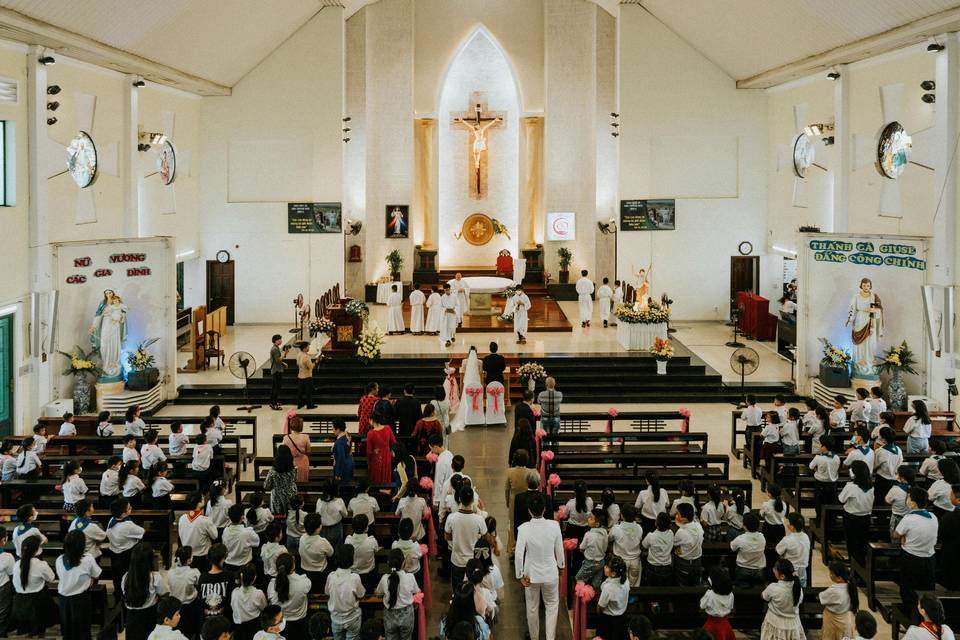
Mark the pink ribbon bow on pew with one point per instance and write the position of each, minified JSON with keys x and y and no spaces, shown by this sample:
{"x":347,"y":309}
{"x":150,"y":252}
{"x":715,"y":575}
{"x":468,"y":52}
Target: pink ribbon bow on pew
{"x":544,"y":458}
{"x":431,"y":533}
{"x":425,"y":567}
{"x":538,"y":436}
{"x":584,"y":594}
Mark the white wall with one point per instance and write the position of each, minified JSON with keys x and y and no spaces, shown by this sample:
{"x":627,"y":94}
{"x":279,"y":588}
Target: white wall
{"x":276,"y":139}
{"x":480,"y":66}
{"x":442,"y":26}
{"x":672,"y":98}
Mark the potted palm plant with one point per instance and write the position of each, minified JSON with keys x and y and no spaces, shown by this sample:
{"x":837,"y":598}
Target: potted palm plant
{"x":566,"y":257}
{"x":395,"y":261}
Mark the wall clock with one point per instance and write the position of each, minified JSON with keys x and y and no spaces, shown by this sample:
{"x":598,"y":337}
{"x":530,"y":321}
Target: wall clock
{"x":223,"y":256}
{"x":745,"y":248}
{"x":82,"y":159}
{"x":804,"y":154}
{"x":893,"y":150}
{"x":167,"y":163}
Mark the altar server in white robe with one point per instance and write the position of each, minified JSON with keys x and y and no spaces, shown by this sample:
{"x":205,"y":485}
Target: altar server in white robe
{"x":448,"y":326}
{"x":521,"y":306}
{"x":617,"y":298}
{"x":584,"y":291}
{"x":434,"y":313}
{"x":416,"y":310}
{"x":461,"y":292}
{"x":395,"y":311}
{"x":605,"y":296}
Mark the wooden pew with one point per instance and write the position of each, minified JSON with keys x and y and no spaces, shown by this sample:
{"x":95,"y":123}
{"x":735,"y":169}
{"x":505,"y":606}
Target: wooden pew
{"x":622,"y":441}
{"x":628,"y":494}
{"x":828,"y":528}
{"x":603,"y":461}
{"x":899,"y":618}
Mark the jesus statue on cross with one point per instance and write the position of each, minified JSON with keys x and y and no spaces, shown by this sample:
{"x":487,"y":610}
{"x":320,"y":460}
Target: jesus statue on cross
{"x":479,"y":132}
{"x":478,"y":121}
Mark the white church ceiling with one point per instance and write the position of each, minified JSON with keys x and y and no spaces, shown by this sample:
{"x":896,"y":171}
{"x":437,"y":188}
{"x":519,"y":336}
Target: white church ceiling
{"x":220,"y":42}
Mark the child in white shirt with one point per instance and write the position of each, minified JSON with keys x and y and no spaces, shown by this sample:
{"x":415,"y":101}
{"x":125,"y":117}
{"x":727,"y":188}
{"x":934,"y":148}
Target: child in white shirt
{"x":104,"y":428}
{"x":8,"y":462}
{"x":594,"y":547}
{"x":712,"y":514}
{"x":613,"y":600}
{"x":364,"y":551}
{"x":363,"y":503}
{"x":315,"y":551}
{"x":412,"y":552}
{"x":877,"y":405}
{"x":795,"y":546}
{"x":182,"y":582}
{"x":295,"y":516}
{"x":897,"y":497}
{"x":134,"y":426}
{"x":247,"y":603}
{"x":177,"y":440}
{"x":239,"y":540}
{"x":40,"y":438}
{"x":150,"y":452}
{"x":28,"y":463}
{"x":930,"y":469}
{"x":627,"y":537}
{"x":73,"y":487}
{"x":752,"y":414}
{"x":272,"y":548}
{"x":717,"y":603}
{"x":67,"y":428}
{"x":130,"y":449}
{"x":110,"y":482}
{"x":659,"y":546}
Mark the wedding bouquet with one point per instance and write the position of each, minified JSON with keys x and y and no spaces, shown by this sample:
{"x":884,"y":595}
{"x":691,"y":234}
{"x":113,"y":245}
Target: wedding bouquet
{"x":369,"y":345}
{"x":532,"y":371}
{"x":661,"y":349}
{"x":899,"y":358}
{"x":322,"y":325}
{"x":834,"y":356}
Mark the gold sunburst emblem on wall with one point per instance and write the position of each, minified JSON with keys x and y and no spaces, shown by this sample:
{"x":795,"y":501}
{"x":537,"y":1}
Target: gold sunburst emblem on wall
{"x":477,"y":229}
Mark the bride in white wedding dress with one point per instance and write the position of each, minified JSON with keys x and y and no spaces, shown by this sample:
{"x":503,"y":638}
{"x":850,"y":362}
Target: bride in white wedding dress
{"x":471,"y":397}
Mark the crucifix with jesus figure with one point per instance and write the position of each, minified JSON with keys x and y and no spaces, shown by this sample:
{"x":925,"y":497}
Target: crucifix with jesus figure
{"x":477,"y":121}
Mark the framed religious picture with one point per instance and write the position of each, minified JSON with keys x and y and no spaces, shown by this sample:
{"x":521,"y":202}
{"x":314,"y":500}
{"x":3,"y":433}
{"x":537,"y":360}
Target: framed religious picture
{"x":314,"y":217}
{"x":398,"y":221}
{"x":561,"y":226}
{"x":648,"y":215}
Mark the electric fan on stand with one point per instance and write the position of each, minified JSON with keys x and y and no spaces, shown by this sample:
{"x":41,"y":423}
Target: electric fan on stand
{"x":735,"y":316}
{"x":243,"y":366}
{"x":744,"y":362}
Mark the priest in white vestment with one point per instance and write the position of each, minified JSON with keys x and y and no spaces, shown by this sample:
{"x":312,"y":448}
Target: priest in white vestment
{"x":617,"y":299}
{"x":448,"y":326}
{"x":605,"y":296}
{"x":395,"y":311}
{"x":521,"y":306}
{"x":461,"y":292}
{"x":471,"y":399}
{"x":434,"y":313}
{"x":416,"y":310}
{"x":584,"y":291}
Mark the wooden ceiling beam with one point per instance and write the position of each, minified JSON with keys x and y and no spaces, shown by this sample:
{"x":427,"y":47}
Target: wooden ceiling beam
{"x":20,"y":28}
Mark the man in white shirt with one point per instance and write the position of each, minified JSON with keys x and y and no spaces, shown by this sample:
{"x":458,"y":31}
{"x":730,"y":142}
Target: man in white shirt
{"x":585,"y":299}
{"x":539,"y":558}
{"x":461,"y":294}
{"x":448,"y":320}
{"x":462,"y":529}
{"x":605,"y":296}
{"x":395,"y":312}
{"x":416,"y":310}
{"x":917,"y":534}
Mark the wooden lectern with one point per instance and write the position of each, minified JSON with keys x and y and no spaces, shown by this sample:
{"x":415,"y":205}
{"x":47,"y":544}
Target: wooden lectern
{"x":347,"y":329}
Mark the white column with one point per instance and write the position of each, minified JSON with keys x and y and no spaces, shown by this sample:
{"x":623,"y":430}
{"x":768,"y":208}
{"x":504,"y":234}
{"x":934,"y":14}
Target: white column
{"x":843,"y":140}
{"x":941,"y":262}
{"x":41,"y":284}
{"x":130,"y":161}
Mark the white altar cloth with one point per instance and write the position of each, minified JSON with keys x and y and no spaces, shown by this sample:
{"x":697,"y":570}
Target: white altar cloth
{"x":638,"y":336}
{"x":487,"y":284}
{"x":384,"y":289}
{"x":519,"y":269}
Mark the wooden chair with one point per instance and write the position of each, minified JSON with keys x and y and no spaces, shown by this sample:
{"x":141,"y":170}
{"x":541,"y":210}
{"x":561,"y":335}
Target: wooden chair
{"x":211,"y":349}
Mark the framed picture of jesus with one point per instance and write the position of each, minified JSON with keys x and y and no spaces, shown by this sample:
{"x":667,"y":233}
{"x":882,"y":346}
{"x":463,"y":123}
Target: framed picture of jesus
{"x":397,"y":221}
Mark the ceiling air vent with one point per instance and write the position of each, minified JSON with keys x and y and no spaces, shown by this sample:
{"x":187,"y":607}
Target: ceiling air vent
{"x":9,"y":90}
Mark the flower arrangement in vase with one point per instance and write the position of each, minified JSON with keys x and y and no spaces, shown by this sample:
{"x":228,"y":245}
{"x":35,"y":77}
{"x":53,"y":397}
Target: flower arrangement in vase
{"x":895,"y":362}
{"x":369,"y":345}
{"x":82,"y":367}
{"x":662,"y":350}
{"x":531,"y":372}
{"x":834,"y":365}
{"x":143,"y":375}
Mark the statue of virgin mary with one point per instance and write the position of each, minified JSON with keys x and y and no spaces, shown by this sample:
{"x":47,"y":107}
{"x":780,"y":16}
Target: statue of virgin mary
{"x":107,"y":333}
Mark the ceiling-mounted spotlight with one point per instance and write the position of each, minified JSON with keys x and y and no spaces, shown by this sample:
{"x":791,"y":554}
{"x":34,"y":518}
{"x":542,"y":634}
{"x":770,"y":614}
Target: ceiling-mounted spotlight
{"x":347,"y":119}
{"x":53,"y":106}
{"x":614,"y":124}
{"x":346,"y":139}
{"x":935,"y":47}
{"x":347,"y":129}
{"x":615,"y":134}
{"x":51,"y":121}
{"x":929,"y":98}
{"x":928,"y":85}
{"x":143,"y":147}
{"x":827,"y":141}
{"x":833,"y":75}
{"x":139,"y":83}
{"x":53,"y":90}
{"x":614,"y":115}
{"x":45,"y":60}
{"x":812,"y":130}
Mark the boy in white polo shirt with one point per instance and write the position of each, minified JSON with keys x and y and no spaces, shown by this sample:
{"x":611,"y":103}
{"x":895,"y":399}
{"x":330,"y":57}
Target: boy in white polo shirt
{"x":917,"y":534}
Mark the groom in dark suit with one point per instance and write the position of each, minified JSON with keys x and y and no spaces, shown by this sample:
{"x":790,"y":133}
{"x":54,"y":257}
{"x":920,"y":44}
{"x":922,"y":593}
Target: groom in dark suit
{"x":494,"y":365}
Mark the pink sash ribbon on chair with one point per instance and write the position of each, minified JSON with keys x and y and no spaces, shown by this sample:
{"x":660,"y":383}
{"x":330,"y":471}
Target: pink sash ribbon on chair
{"x":584,"y":594}
{"x":421,"y":615}
{"x":612,"y":413}
{"x":431,"y":533}
{"x":569,"y":544}
{"x":495,"y":393}
{"x":425,"y":567}
{"x":553,"y":481}
{"x":544,"y":457}
{"x":475,"y":393}
{"x":685,"y":414}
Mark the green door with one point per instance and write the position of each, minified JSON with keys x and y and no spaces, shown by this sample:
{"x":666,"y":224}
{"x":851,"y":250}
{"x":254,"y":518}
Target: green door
{"x":6,"y":375}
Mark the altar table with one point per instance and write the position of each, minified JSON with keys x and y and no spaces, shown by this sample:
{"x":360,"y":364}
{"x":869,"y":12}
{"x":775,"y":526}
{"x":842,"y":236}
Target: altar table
{"x":639,"y":336}
{"x":481,"y":289}
{"x":384,"y":289}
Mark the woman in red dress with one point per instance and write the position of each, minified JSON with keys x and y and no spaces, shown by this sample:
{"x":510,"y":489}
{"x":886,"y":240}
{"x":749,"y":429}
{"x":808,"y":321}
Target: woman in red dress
{"x":379,"y":457}
{"x":299,"y":444}
{"x":426,"y":427}
{"x":366,"y":407}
